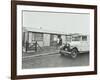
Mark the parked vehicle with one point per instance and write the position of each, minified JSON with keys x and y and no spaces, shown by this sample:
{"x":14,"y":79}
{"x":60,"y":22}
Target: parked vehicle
{"x":76,"y":43}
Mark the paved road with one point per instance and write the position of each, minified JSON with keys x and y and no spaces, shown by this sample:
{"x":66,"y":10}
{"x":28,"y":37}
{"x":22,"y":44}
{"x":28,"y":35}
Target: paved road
{"x":54,"y":60}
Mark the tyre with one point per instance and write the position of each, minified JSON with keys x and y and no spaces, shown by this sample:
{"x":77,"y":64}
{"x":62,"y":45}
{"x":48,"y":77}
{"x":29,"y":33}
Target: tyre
{"x":74,"y":53}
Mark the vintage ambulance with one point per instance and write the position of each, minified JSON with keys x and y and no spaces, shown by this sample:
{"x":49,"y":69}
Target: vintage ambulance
{"x":75,"y":44}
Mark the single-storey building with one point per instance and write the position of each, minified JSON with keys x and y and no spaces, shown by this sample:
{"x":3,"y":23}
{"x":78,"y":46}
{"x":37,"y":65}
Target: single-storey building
{"x":43,"y":37}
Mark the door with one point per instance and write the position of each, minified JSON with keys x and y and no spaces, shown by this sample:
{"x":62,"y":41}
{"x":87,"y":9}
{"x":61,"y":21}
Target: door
{"x":53,"y":40}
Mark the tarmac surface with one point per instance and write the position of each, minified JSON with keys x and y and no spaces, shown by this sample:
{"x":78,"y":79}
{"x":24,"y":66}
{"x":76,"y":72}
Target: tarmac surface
{"x":53,"y":59}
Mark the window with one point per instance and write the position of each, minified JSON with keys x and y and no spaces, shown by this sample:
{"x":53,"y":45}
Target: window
{"x":38,"y":36}
{"x":68,"y":38}
{"x":76,"y":38}
{"x":84,"y":38}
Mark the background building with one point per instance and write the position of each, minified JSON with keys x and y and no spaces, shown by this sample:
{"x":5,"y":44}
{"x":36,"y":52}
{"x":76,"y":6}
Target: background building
{"x":43,"y":37}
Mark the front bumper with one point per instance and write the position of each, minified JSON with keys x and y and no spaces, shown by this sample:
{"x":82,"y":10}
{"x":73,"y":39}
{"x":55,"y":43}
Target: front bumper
{"x":64,"y":52}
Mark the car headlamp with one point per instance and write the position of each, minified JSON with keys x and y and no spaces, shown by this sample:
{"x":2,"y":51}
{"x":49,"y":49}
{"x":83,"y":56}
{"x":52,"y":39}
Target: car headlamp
{"x":68,"y":45}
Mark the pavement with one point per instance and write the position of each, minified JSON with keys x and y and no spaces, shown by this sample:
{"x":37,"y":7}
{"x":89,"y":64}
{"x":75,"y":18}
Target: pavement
{"x":47,"y":50}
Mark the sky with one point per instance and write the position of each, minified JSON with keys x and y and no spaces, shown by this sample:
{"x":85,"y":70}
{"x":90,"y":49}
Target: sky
{"x":62,"y":22}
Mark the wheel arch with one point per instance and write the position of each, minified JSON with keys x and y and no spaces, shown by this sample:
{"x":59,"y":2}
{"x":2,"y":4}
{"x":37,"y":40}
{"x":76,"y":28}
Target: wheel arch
{"x":75,"y":48}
